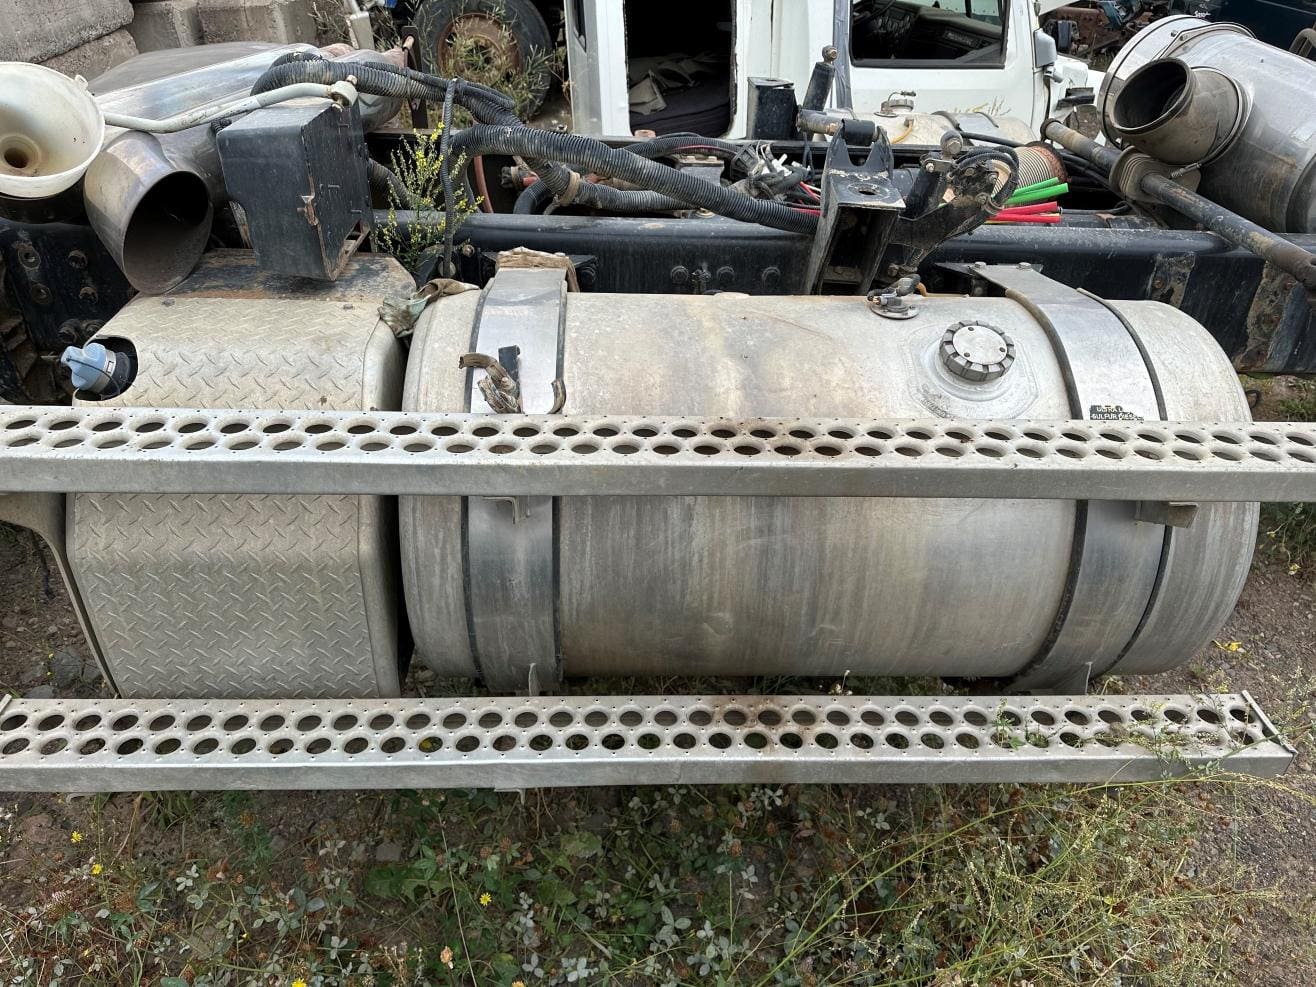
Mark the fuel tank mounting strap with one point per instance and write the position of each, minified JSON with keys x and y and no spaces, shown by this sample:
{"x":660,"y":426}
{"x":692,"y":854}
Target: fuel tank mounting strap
{"x":1115,"y":561}
{"x":87,"y":745}
{"x":511,"y":596}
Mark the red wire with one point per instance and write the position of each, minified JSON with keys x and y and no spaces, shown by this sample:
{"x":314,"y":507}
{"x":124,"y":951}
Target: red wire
{"x":1053,"y":218}
{"x":1035,"y":207}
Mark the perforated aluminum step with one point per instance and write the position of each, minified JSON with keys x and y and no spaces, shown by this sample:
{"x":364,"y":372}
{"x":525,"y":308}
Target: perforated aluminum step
{"x":121,"y":745}
{"x":134,"y":450}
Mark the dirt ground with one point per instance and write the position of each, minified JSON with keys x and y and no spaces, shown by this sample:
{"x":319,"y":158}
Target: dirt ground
{"x":1274,"y":631}
{"x":1268,"y":648}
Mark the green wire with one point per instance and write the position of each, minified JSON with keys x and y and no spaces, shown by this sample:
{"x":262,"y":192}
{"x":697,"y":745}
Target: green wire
{"x":1038,"y":194}
{"x":1021,"y":190}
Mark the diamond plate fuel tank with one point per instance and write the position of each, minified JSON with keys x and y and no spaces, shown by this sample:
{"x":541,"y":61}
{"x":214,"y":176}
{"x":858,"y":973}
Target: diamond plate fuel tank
{"x":243,"y":596}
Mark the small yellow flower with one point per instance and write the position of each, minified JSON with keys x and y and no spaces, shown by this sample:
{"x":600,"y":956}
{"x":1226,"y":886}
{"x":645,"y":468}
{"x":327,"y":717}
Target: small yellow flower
{"x":75,"y":837}
{"x":96,"y":870}
{"x":1231,"y":646}
{"x":518,"y":983}
{"x":445,"y":957}
{"x":485,"y":899}
{"x":298,"y":983}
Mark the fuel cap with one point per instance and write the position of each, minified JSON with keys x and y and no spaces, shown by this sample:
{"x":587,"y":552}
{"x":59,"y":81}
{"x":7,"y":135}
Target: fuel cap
{"x":976,"y":351}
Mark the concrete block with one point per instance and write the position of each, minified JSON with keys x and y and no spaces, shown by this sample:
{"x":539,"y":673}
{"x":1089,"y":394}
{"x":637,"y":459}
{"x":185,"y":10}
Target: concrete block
{"x":37,"y":30}
{"x":95,"y":57}
{"x":161,"y":24}
{"x":280,"y":21}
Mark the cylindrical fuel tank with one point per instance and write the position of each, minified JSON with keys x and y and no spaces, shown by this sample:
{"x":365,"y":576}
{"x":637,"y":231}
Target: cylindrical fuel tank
{"x":651,"y":586}
{"x":1268,"y":171}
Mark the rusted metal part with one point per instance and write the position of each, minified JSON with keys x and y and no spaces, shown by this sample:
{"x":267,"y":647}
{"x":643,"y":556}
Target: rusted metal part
{"x":485,"y":32}
{"x":1288,"y":257}
{"x":236,"y":274}
{"x":1169,"y":278}
{"x":1277,"y":322}
{"x":1297,"y":261}
{"x":1095,"y":32}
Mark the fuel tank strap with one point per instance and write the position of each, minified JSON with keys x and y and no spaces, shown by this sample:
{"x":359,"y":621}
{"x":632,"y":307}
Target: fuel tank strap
{"x":1116,"y":560}
{"x":510,"y":555}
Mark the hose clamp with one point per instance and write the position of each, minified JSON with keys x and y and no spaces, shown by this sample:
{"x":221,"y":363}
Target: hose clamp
{"x":343,"y":93}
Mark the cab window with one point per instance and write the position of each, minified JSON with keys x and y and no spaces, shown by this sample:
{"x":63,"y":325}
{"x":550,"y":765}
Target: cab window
{"x":947,"y":33}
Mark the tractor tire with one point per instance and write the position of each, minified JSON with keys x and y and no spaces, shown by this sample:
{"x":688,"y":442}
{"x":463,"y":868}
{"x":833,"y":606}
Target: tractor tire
{"x":509,"y":38}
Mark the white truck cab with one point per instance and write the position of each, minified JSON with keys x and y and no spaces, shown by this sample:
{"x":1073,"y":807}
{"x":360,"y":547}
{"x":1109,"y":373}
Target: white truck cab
{"x":684,"y":65}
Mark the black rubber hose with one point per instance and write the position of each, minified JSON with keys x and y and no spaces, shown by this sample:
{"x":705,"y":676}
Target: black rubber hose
{"x":1071,"y":160}
{"x":555,"y":182}
{"x":592,"y":155}
{"x":1004,"y":155}
{"x":534,"y":199}
{"x":386,"y":182}
{"x":485,"y":104}
{"x":659,"y":183}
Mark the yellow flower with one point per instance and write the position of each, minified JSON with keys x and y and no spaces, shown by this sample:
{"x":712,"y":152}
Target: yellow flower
{"x":445,"y":957}
{"x":485,"y":899}
{"x":96,"y":870}
{"x":1232,"y":646}
{"x":518,"y":983}
{"x":75,"y":837}
{"x":298,"y":983}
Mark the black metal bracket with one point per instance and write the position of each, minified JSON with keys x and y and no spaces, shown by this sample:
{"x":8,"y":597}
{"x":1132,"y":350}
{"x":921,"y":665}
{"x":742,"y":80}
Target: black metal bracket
{"x":969,"y":203}
{"x":61,"y":280}
{"x":860,"y":207}
{"x":420,"y":111}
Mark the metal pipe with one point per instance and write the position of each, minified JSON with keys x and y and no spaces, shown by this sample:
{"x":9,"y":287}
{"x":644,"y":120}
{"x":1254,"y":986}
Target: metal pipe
{"x":1273,"y":248}
{"x":1286,"y":256}
{"x":1086,"y":148}
{"x":841,"y":18}
{"x":217,"y":111}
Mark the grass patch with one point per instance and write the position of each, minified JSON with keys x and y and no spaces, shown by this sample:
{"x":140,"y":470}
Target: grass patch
{"x":804,"y":885}
{"x":1289,"y":530}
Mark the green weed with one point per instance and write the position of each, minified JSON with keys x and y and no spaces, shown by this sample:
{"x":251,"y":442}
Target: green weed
{"x":420,"y":169}
{"x":757,"y":885}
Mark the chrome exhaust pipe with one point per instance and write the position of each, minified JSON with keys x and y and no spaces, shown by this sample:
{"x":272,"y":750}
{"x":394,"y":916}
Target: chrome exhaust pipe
{"x":150,"y":208}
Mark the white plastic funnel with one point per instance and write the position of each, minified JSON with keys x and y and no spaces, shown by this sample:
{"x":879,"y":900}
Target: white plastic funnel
{"x":50,"y":129}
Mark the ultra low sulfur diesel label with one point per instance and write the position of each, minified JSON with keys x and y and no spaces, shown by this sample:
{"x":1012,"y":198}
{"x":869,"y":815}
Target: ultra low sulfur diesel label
{"x":1111,"y":413}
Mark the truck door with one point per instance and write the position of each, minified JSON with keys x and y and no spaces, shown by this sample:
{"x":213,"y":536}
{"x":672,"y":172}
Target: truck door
{"x":596,"y":66}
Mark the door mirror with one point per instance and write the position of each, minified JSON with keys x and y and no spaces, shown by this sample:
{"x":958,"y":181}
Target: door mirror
{"x":1044,"y":50}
